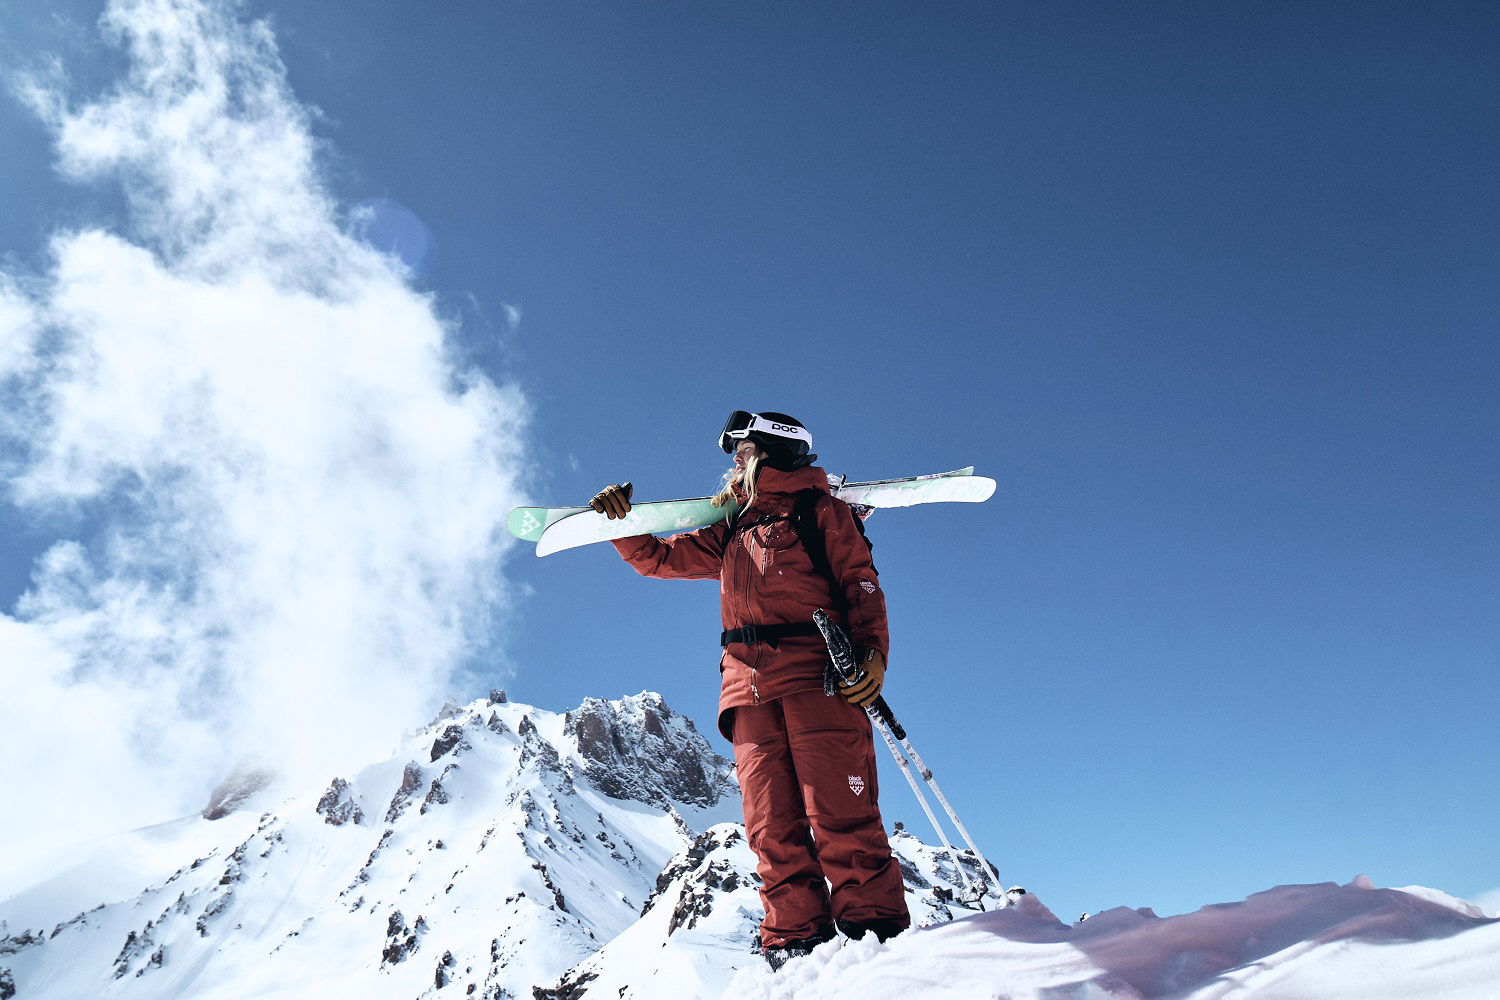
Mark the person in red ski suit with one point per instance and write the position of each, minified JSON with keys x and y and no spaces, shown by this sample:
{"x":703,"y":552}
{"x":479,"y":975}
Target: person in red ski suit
{"x":806,"y":761}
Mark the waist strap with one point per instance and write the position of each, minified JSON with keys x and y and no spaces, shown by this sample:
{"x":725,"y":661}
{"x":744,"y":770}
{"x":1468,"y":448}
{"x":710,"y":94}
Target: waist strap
{"x":768,"y":634}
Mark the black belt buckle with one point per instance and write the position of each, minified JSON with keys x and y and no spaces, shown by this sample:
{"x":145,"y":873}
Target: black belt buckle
{"x":745,"y":634}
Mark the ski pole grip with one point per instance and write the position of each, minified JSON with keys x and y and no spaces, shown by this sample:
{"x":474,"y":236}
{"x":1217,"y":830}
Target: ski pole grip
{"x":841,"y":651}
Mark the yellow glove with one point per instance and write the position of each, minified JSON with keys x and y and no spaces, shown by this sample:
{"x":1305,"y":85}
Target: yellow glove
{"x":613,"y":501}
{"x":865,"y":690}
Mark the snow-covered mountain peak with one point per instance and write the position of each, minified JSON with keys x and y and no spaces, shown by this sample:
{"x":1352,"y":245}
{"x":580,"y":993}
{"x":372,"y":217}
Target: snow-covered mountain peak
{"x":483,"y":851}
{"x":505,"y":851}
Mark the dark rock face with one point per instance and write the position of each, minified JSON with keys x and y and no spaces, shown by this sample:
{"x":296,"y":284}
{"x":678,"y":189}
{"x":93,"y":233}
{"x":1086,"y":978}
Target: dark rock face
{"x":451,"y":738}
{"x":235,"y":789}
{"x":212,"y":911}
{"x":437,"y":795}
{"x":337,"y":806}
{"x":401,"y":941}
{"x":443,"y":975}
{"x":693,"y":885}
{"x":704,"y":879}
{"x":137,"y":943}
{"x":7,"y":985}
{"x":639,"y":750}
{"x":19,"y":942}
{"x":535,"y":750}
{"x":411,"y":780}
{"x":568,"y":990}
{"x":557,"y":896}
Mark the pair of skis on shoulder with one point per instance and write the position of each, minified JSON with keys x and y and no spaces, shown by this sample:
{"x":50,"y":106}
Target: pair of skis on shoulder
{"x":557,"y":528}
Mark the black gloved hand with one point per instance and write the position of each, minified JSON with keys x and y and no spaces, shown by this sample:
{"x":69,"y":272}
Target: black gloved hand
{"x":613,"y":501}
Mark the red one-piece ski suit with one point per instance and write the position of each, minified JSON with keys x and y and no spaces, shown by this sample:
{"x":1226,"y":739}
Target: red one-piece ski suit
{"x":806,"y":760}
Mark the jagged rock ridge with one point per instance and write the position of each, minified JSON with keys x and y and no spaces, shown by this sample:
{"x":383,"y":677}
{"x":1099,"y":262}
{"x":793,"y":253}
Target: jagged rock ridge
{"x":645,"y":752}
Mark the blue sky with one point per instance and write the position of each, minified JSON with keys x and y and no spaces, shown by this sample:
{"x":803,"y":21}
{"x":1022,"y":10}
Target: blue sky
{"x":1209,"y":290}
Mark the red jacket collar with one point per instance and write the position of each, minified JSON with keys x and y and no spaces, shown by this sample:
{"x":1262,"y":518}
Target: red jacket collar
{"x":775,"y":481}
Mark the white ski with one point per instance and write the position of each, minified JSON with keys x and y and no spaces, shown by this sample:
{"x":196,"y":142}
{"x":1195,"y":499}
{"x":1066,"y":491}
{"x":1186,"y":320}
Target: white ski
{"x":567,"y":528}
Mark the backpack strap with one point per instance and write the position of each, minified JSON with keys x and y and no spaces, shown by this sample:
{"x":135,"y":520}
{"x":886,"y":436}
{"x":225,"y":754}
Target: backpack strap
{"x":805,"y":520}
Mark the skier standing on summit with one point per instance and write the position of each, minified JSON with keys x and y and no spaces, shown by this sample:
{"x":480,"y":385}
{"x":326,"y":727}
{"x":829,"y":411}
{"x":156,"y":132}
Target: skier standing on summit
{"x":806,"y":761}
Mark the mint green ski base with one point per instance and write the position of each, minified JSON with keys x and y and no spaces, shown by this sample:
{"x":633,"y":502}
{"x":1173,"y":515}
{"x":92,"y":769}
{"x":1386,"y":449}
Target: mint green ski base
{"x":528,"y":523}
{"x":558,"y":528}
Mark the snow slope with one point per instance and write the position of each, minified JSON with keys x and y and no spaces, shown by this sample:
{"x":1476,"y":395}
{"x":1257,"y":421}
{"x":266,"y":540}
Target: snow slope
{"x":493,"y":856}
{"x":1295,"y":942}
{"x":508,"y":852}
{"x":482,"y":855}
{"x":699,"y":927}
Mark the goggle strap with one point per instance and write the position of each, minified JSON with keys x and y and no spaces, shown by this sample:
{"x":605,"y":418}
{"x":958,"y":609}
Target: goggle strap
{"x":753,"y":422}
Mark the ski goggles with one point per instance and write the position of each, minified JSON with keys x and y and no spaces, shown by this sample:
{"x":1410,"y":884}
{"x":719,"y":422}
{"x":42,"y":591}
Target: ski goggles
{"x":741,"y":424}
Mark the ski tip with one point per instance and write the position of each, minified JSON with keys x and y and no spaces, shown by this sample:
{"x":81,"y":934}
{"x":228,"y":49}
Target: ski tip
{"x":517,"y":522}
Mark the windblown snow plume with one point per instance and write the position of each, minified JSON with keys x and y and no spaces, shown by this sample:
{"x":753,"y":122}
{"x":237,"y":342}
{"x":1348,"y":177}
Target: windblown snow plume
{"x":279,"y":497}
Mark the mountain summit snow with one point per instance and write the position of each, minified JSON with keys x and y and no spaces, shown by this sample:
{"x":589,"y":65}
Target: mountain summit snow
{"x":504,"y":852}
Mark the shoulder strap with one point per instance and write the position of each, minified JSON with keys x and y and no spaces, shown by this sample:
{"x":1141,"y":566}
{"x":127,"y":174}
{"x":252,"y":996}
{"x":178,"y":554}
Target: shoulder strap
{"x":805,"y":520}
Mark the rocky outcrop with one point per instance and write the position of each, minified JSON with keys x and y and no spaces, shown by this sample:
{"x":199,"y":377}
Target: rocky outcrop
{"x":401,"y":941}
{"x":444,"y":970}
{"x":707,"y":877}
{"x":13,"y":944}
{"x":451,"y":737}
{"x":636,"y":748}
{"x":411,"y":780}
{"x":337,"y":806}
{"x":232,"y":792}
{"x":572,"y":989}
{"x":138,"y":943}
{"x":437,"y":795}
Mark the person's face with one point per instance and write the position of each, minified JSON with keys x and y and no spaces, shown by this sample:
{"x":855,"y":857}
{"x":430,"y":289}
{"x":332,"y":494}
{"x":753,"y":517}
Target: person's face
{"x":743,"y":453}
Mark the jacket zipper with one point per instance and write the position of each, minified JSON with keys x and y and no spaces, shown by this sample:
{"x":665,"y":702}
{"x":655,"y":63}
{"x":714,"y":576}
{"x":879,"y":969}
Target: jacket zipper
{"x":744,"y":555}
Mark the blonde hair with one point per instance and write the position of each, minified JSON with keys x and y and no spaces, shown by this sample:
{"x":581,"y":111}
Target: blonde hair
{"x":737,"y":477}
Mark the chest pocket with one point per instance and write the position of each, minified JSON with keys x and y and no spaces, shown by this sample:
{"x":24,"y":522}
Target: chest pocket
{"x":775,"y":550}
{"x":765,"y":547}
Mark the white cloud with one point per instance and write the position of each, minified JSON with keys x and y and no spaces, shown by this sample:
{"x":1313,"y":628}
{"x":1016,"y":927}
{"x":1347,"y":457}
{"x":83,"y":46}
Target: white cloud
{"x":292,"y":500}
{"x":512,"y":317}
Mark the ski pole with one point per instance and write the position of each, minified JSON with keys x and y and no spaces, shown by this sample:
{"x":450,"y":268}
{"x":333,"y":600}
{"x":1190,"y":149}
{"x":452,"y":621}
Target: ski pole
{"x":842,"y":653}
{"x":916,"y":790}
{"x":926,"y":773}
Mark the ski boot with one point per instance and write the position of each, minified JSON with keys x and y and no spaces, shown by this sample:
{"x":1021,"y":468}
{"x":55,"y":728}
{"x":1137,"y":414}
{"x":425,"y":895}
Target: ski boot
{"x":778,"y":955}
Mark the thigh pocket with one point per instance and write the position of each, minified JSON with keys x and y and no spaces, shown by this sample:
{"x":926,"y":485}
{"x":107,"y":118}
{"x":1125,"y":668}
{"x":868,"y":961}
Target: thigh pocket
{"x":837,"y":773}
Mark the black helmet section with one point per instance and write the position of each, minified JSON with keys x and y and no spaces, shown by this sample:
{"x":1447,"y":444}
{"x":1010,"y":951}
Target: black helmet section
{"x":787,"y":444}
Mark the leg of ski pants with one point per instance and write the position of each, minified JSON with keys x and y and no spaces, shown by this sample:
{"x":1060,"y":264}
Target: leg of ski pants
{"x":806,"y":763}
{"x":833,"y":750}
{"x":792,"y":889}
